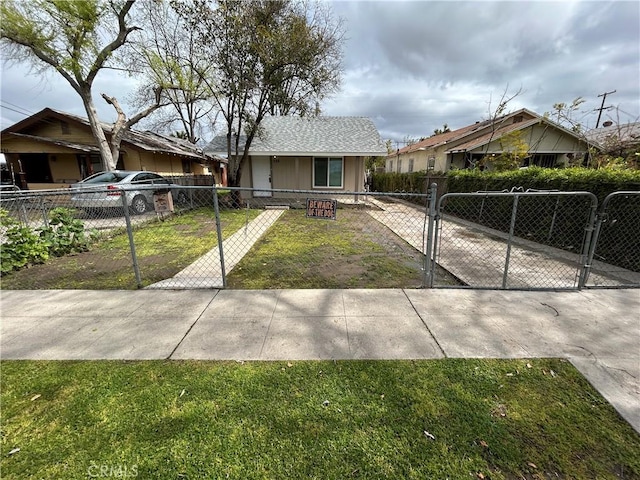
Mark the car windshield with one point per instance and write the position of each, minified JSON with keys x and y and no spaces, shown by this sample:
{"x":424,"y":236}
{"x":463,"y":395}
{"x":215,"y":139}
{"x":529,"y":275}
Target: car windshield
{"x":106,"y":177}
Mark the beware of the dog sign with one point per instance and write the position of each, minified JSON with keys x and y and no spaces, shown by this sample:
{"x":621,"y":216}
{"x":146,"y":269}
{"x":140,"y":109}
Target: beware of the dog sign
{"x":322,"y":208}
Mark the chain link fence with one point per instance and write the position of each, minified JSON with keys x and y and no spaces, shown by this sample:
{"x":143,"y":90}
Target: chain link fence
{"x":520,"y":240}
{"x":190,"y":236}
{"x":206,"y":237}
{"x":614,"y":254}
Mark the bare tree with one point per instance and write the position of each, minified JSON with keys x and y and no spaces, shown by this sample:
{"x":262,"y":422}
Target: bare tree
{"x":77,"y":39}
{"x":166,"y":54}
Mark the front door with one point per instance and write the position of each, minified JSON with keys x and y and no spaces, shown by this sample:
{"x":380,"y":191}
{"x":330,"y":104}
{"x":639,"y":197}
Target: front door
{"x":261,"y":173}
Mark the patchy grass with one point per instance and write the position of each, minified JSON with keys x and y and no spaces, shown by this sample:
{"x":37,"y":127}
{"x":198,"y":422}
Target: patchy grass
{"x":354,"y":251}
{"x":163,"y":248}
{"x":498,"y":419}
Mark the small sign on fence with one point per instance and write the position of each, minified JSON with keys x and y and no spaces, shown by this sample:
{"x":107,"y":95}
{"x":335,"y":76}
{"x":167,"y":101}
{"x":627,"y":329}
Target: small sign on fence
{"x":162,"y":201}
{"x":322,"y":208}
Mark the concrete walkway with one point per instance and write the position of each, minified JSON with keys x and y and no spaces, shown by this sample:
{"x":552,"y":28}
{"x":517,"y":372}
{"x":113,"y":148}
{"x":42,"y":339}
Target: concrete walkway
{"x":597,"y":330}
{"x":476,"y":254}
{"x":206,"y":272}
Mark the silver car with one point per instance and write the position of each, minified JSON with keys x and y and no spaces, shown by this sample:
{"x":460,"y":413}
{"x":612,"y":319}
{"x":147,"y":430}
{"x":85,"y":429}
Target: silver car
{"x":104,"y":190}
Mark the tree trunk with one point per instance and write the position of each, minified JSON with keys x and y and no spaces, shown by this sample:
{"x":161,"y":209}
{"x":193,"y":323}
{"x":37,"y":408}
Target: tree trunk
{"x":108,"y":162}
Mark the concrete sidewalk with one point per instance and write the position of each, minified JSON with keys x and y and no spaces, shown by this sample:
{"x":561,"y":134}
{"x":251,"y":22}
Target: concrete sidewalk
{"x":597,"y":330}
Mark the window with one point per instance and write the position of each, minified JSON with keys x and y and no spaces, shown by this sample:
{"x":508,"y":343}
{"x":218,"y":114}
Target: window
{"x":399,"y":166}
{"x":547,"y":160}
{"x":64,"y":126}
{"x":410,"y":165}
{"x":328,"y":172}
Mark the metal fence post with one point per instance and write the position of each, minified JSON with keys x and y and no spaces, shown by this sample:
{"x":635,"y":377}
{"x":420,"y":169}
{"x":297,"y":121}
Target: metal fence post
{"x":216,"y":208}
{"x":429,"y":264}
{"x":45,"y":215}
{"x":514,"y":213}
{"x":592,"y":233}
{"x":132,"y":245}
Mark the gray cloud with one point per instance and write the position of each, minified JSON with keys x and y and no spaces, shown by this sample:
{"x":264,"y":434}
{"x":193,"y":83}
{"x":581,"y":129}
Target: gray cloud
{"x":442,"y":62}
{"x":413,"y":66}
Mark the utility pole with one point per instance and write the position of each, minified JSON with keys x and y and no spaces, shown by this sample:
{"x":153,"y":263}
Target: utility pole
{"x":602,"y":107}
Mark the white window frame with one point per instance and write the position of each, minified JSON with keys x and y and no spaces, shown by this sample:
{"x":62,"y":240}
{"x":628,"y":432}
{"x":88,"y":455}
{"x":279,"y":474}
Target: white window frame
{"x":313,"y":173}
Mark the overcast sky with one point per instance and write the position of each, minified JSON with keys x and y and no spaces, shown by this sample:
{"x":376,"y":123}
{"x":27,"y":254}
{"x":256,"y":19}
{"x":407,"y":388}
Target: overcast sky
{"x":413,"y":66}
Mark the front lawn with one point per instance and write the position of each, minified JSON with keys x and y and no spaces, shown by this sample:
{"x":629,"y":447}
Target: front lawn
{"x":354,"y":251}
{"x":458,"y":419}
{"x":163,"y":248}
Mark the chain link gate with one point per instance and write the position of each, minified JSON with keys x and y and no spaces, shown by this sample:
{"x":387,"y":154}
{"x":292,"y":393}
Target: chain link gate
{"x":514,"y":240}
{"x":614,"y":256}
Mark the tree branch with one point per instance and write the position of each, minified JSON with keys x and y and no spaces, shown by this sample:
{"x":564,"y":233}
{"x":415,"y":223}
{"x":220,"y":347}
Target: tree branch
{"x":123,"y":33}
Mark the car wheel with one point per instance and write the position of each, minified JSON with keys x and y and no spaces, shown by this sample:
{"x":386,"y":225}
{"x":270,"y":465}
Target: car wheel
{"x":139,"y":205}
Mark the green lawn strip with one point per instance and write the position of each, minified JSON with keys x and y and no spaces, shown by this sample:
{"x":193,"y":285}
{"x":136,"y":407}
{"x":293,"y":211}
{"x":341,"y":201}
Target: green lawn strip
{"x":303,"y":252}
{"x":452,"y":418}
{"x":163,"y":248}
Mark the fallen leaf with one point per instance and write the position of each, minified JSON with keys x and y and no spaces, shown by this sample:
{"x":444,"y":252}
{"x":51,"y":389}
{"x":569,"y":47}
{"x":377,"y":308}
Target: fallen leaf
{"x":35,"y":397}
{"x":182,"y":392}
{"x":480,"y":476}
{"x":289,"y":364}
{"x":532,"y":465}
{"x":15,"y":450}
{"x":428,"y":435}
{"x":553,"y":374}
{"x":484,"y":444}
{"x":509,"y":374}
{"x":529,"y":365}
{"x":325,"y":403}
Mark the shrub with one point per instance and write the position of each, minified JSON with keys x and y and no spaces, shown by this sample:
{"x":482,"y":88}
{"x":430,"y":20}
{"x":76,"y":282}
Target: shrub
{"x":22,"y":247}
{"x":26,"y":246}
{"x":600,"y":182}
{"x":65,"y":234}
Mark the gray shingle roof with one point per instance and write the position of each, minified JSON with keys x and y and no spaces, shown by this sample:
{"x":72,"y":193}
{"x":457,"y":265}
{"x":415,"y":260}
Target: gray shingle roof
{"x":347,"y":136}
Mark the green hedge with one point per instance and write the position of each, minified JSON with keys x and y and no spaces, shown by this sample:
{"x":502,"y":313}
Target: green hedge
{"x":617,"y":244}
{"x":399,"y":182}
{"x":600,"y":182}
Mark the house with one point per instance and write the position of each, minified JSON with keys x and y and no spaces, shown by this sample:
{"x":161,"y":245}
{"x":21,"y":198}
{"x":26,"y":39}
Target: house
{"x":305,"y":153}
{"x":53,"y":149}
{"x":616,"y":139}
{"x":547,"y":143}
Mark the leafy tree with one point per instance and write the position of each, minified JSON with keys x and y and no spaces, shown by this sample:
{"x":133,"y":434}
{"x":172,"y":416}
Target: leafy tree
{"x":514,"y":151}
{"x":77,"y":39}
{"x":270,"y":57}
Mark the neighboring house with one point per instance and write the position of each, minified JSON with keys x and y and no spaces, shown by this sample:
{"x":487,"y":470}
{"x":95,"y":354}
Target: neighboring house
{"x":305,"y":153}
{"x":549,"y":145}
{"x":53,"y":149}
{"x":615,"y":139}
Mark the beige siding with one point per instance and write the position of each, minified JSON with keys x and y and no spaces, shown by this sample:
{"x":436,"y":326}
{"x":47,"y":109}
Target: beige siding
{"x":552,"y":140}
{"x":76,"y":133}
{"x":295,"y":173}
{"x":64,"y":169}
{"x":420,"y":161}
{"x":24,"y":145}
